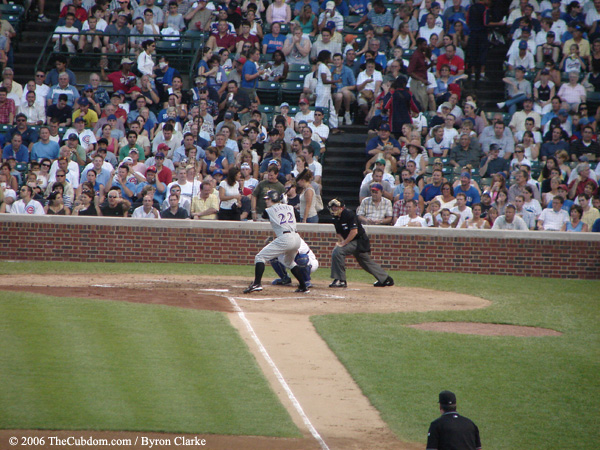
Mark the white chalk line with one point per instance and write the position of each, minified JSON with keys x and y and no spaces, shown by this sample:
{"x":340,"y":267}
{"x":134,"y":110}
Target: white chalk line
{"x":278,"y":375}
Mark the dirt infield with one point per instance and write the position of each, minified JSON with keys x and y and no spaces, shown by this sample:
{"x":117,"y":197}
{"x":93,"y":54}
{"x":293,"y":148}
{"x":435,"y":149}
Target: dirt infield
{"x":330,"y":399}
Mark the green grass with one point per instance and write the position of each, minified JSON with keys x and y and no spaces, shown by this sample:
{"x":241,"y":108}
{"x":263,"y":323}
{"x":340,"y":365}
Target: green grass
{"x":539,"y":392}
{"x":521,"y":392}
{"x":82,"y":364}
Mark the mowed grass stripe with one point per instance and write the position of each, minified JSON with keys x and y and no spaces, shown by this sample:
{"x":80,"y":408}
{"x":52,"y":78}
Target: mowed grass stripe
{"x":81,"y":364}
{"x":540,"y":392}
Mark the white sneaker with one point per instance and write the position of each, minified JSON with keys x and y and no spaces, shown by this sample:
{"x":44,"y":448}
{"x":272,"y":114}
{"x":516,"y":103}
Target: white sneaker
{"x":501,"y":104}
{"x":340,"y":120}
{"x":348,"y":118}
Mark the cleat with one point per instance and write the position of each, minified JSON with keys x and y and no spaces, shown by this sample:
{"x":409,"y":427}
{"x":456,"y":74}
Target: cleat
{"x":389,"y":281}
{"x":253,"y":288}
{"x":309,"y":284}
{"x":305,"y":290}
{"x":282,"y":281}
{"x":338,"y":284}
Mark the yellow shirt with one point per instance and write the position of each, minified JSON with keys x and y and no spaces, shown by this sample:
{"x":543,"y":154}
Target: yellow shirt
{"x":90,"y":117}
{"x":200,"y":205}
{"x":590,"y":216}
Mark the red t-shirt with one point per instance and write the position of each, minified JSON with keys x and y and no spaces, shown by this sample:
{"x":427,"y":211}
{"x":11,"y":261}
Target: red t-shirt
{"x":125,"y":83}
{"x":456,"y":64}
{"x":165,"y":175}
{"x":251,"y":39}
{"x":226,"y":41}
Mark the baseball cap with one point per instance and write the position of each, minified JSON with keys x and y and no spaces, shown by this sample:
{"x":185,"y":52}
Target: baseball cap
{"x":111,"y":117}
{"x":446,"y":105}
{"x":134,"y":150}
{"x":73,"y":136}
{"x":563,"y":187}
{"x":330,"y":5}
{"x":245,"y":166}
{"x":526,"y":30}
{"x":330,"y":25}
{"x":465,"y":174}
{"x":273,"y":162}
{"x":447,"y":398}
{"x":217,"y":172}
{"x":303,"y":100}
{"x":284,"y":104}
{"x":471,"y":104}
{"x":349,"y":38}
{"x":151,"y":169}
{"x":563,"y":112}
{"x":126,"y":61}
{"x":159,"y":154}
{"x":384,"y":127}
{"x":162,"y":146}
{"x":494,"y":147}
{"x":241,"y":59}
{"x":435,"y":5}
{"x":127,"y":160}
{"x":83,"y":101}
{"x":79,"y":119}
{"x":377,"y":187}
{"x":10,"y":193}
{"x":380,"y":161}
{"x":522,"y":45}
{"x":228,"y":115}
{"x":88,"y":87}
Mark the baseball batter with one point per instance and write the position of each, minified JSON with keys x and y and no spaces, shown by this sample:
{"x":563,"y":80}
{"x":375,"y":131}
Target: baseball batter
{"x":287,"y":242}
{"x":305,"y":259}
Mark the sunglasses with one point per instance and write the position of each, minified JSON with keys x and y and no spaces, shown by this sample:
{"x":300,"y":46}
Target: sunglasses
{"x":61,"y":176}
{"x":113,"y":196}
{"x":45,"y":165}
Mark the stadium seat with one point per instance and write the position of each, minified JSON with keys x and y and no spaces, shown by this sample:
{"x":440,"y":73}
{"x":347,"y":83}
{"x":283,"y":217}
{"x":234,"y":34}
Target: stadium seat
{"x":290,"y":92}
{"x":295,"y":76}
{"x":268,"y":92}
{"x":298,"y":68}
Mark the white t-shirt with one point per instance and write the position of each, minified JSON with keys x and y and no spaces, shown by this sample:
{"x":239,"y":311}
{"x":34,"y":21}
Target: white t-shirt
{"x":464,"y":215}
{"x":362,"y":77}
{"x":139,"y":213}
{"x":403,"y":221}
{"x":229,"y":191}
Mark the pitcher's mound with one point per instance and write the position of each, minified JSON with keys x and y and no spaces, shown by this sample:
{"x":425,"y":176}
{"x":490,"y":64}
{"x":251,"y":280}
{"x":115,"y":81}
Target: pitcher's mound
{"x":485,"y":329}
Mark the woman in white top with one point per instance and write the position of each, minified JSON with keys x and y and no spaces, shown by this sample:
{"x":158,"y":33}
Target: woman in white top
{"x":446,"y":198}
{"x":477,"y":222}
{"x":230,"y":196}
{"x":403,"y":37}
{"x":308,"y":198}
{"x":531,"y":204}
{"x":145,"y":63}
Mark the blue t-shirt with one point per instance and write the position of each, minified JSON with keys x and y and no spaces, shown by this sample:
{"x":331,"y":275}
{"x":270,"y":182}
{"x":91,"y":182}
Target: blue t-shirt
{"x":21,"y":155}
{"x":273,"y":43}
{"x":430,"y":191}
{"x":249,"y":69}
{"x":41,"y":150}
{"x":472,"y":195}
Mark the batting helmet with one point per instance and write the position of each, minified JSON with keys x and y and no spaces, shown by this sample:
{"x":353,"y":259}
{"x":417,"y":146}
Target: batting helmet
{"x":302,"y":259}
{"x":274,"y":196}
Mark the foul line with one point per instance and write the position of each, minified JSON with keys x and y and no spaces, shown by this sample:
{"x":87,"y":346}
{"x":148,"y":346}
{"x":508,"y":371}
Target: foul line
{"x":279,"y":376}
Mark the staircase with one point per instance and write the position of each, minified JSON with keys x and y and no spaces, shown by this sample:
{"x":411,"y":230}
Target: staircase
{"x":343,"y":167}
{"x":30,"y":42}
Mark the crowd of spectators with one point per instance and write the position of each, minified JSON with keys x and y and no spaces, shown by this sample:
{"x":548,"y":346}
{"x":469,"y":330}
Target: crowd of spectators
{"x":135,"y":140}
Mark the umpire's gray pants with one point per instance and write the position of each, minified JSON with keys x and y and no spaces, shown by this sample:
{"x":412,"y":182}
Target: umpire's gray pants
{"x":338,"y":263}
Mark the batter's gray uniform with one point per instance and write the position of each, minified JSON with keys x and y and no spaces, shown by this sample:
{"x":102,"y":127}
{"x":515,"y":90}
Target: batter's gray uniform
{"x":287,"y":242}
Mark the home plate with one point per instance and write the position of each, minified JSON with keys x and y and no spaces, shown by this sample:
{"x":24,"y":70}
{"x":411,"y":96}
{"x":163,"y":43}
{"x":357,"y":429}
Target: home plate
{"x":215,"y":290}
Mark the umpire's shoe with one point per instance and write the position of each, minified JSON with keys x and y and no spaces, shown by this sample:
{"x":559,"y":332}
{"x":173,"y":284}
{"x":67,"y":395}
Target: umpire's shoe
{"x":389,"y":281}
{"x":338,"y":284}
{"x":304,"y":290}
{"x":253,"y":288}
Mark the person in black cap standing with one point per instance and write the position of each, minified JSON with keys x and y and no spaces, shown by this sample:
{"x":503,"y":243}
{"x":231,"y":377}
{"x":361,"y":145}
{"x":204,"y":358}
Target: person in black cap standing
{"x":452,"y":431}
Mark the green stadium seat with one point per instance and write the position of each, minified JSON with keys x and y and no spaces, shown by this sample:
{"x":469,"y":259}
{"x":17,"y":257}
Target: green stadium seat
{"x":290,"y":92}
{"x":301,"y":68}
{"x":295,"y":76}
{"x":268,"y":92}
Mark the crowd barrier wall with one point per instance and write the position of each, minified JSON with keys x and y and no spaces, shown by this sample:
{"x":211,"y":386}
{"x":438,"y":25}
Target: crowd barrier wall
{"x":102,"y":239}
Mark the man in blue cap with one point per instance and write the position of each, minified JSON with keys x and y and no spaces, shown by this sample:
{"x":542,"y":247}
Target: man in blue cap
{"x":451,"y":430}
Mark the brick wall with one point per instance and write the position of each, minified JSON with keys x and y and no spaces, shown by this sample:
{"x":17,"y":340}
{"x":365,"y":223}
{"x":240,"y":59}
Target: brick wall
{"x":543,"y":254}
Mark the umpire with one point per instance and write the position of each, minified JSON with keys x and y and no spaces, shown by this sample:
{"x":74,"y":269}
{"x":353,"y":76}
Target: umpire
{"x":352,"y":240}
{"x":452,"y":431}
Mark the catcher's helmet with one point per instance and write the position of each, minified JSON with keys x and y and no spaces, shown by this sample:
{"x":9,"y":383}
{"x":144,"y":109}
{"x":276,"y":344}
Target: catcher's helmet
{"x":274,"y":196}
{"x":302,"y":259}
